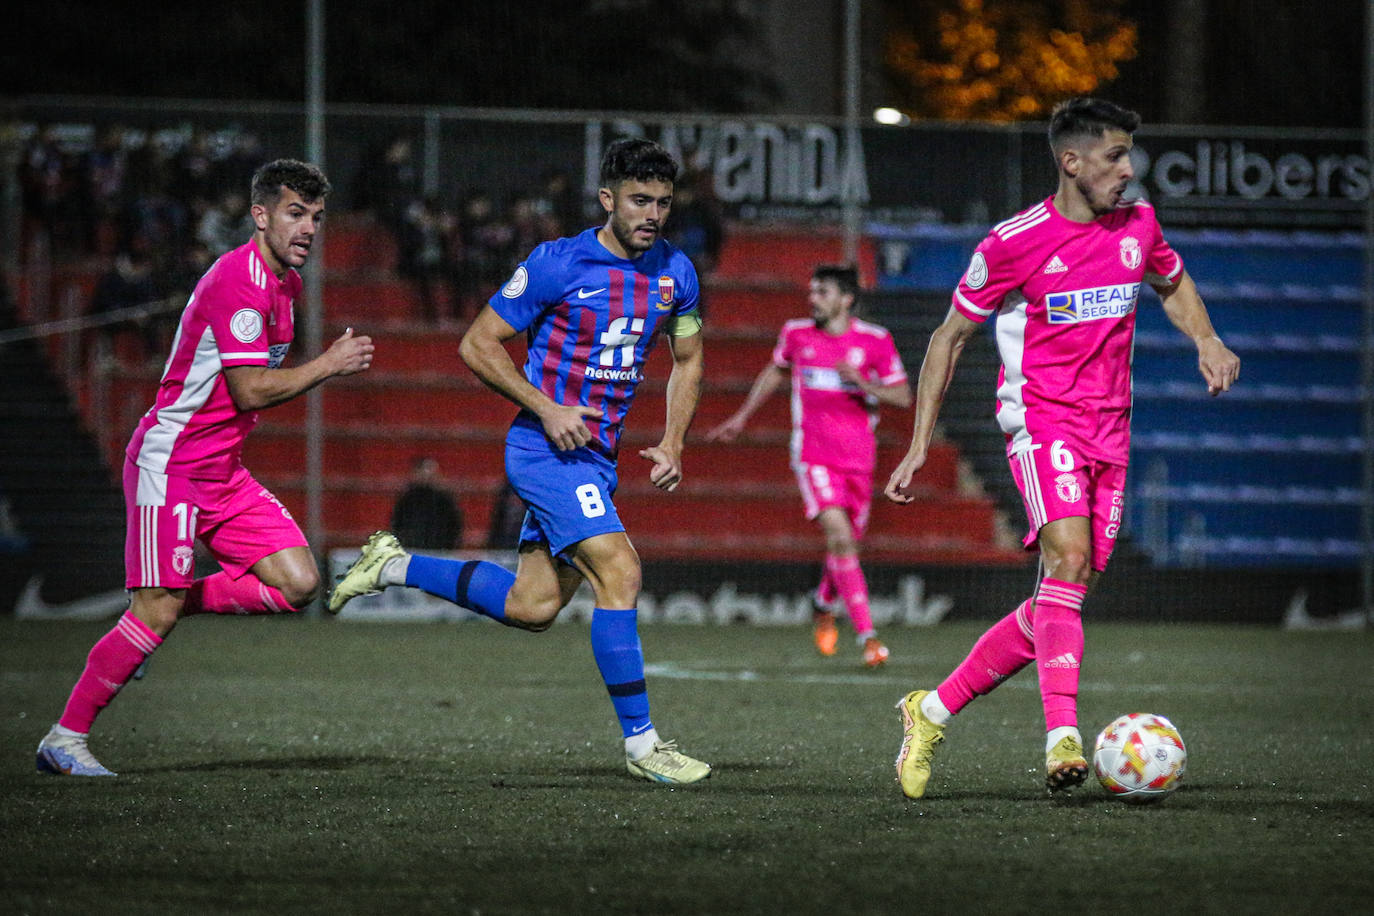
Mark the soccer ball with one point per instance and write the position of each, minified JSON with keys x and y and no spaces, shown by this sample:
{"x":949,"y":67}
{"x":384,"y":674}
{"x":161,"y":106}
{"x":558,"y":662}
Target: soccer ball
{"x":1140,"y":757}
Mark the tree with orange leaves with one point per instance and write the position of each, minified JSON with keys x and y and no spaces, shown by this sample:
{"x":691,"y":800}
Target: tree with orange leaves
{"x":1003,"y":60}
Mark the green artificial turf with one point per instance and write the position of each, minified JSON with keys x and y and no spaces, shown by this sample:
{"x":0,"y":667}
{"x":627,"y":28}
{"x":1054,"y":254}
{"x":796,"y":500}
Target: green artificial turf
{"x":320,"y":766}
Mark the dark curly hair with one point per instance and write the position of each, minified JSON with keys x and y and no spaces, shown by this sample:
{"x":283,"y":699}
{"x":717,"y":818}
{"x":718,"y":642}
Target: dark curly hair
{"x":637,"y":159}
{"x":305,"y":179}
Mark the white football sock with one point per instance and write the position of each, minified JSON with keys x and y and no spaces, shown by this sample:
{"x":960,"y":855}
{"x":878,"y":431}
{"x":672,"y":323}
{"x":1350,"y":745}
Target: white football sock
{"x":641,"y":745}
{"x":394,"y":570}
{"x":934,"y":709}
{"x":1055,"y":735}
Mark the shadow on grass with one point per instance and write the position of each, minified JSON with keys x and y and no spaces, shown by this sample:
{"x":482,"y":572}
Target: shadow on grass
{"x":313,"y":762}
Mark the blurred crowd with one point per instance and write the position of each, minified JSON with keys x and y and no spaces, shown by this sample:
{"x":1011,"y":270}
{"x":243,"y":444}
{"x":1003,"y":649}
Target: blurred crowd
{"x":458,"y":256}
{"x":150,"y":212}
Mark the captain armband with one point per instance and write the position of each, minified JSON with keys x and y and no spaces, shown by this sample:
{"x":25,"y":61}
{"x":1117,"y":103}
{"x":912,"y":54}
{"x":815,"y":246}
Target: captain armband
{"x":685,"y":325}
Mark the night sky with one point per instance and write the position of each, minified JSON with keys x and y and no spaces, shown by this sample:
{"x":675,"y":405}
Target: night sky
{"x":1265,"y":62}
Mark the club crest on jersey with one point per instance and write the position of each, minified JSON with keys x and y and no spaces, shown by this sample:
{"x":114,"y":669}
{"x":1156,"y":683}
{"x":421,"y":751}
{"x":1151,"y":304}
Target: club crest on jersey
{"x":246,"y":325}
{"x":517,"y":283}
{"x":1091,"y":304}
{"x":976,"y":277}
{"x":182,"y":558}
{"x":1067,"y":488}
{"x":665,"y":293}
{"x":1130,"y":252}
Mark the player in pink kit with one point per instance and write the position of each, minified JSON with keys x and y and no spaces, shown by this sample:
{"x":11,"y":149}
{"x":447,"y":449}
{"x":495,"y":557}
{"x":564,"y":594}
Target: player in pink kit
{"x":842,"y":368}
{"x":183,"y":478}
{"x":1063,"y":279}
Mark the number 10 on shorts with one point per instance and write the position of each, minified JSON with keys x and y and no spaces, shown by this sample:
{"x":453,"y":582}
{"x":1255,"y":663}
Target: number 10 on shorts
{"x":592,"y":502}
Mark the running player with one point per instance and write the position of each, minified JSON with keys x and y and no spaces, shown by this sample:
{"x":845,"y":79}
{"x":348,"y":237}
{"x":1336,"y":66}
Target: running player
{"x":842,"y":369}
{"x":591,"y":307}
{"x":1063,"y":279}
{"x":183,"y":478}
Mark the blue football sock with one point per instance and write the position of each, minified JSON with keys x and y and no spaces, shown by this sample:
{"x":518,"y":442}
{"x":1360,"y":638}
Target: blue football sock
{"x":615,"y":645}
{"x":474,"y":584}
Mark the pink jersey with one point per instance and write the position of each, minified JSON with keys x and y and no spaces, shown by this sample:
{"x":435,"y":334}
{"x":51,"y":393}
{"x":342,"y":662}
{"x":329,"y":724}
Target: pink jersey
{"x":1065,"y":297}
{"x":239,"y":315}
{"x":833,"y":421}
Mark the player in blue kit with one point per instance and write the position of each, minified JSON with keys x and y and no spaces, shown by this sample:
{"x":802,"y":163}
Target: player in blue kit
{"x":591,"y":307}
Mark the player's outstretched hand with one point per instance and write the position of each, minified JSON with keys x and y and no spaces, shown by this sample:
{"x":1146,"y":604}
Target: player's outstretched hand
{"x":898,"y":487}
{"x":1220,"y":367}
{"x":351,"y":354}
{"x":566,"y":426}
{"x":666,"y":473}
{"x":727,"y":431}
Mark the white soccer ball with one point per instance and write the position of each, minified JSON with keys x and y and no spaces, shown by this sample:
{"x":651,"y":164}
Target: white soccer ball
{"x":1140,"y":757}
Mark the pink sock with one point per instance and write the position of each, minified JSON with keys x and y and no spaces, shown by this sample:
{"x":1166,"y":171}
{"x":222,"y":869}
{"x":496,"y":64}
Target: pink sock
{"x":1004,"y":649}
{"x":111,"y":663}
{"x":825,"y":592}
{"x":1059,"y":649}
{"x":849,"y":581}
{"x":220,"y":594}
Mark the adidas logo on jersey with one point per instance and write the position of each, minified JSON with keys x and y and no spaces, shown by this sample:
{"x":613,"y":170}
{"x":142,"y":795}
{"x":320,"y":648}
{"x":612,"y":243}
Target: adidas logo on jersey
{"x":1055,"y":266}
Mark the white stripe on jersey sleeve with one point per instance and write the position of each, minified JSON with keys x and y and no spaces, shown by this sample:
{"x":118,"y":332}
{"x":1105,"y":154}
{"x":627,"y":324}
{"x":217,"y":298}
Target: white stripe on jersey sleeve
{"x":1170,"y":277}
{"x":257,"y":271}
{"x":976,"y":309}
{"x":1010,"y":226}
{"x":867,"y":327}
{"x":1024,"y":224}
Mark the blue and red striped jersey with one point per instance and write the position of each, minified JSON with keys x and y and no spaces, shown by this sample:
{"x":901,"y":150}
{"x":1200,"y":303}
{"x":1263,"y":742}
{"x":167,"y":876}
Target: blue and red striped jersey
{"x":590,"y":320}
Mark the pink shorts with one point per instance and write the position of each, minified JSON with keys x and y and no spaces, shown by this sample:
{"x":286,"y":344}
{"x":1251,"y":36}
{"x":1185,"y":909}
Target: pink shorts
{"x":823,"y":487}
{"x":1056,"y":482}
{"x":239,"y":520}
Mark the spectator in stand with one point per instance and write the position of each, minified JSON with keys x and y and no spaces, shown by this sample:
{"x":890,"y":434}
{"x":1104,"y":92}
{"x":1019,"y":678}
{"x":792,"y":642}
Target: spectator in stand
{"x":240,"y":163}
{"x":48,"y":187}
{"x":130,"y":281}
{"x":105,"y":166}
{"x":196,"y":258}
{"x":224,"y":223}
{"x":194,"y":176}
{"x":507,"y":517}
{"x":698,"y":220}
{"x":487,"y":247}
{"x":426,"y":237}
{"x":388,"y":183}
{"x":426,"y":513}
{"x":155,"y":215}
{"x":559,"y":201}
{"x":531,"y":224}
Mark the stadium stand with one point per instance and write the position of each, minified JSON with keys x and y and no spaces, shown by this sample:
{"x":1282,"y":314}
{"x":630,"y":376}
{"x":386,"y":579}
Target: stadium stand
{"x":741,"y":502}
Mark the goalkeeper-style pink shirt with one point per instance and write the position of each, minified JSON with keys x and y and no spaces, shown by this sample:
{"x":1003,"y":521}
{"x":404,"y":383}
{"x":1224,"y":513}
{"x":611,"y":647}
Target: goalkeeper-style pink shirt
{"x":1065,"y":296}
{"x":833,"y":421}
{"x":240,"y":314}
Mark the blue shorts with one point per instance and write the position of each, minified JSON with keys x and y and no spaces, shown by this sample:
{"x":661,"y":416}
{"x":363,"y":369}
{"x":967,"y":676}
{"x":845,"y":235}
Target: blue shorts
{"x":568,"y":494}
